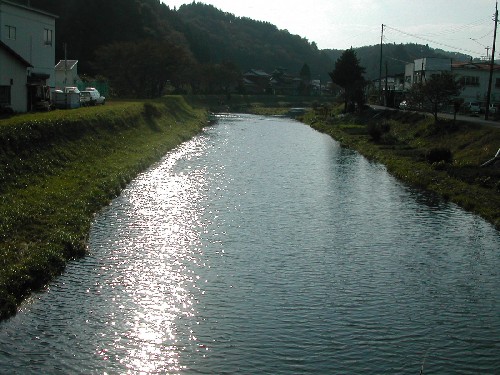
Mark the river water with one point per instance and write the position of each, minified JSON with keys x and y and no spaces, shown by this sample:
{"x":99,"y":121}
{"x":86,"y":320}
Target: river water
{"x":263,"y":247}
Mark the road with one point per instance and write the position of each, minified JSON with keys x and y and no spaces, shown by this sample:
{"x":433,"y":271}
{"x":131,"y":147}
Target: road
{"x":475,"y":119}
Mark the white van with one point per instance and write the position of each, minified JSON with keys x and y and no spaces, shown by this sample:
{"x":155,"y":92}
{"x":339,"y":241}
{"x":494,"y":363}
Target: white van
{"x":474,"y":108}
{"x":90,"y":96}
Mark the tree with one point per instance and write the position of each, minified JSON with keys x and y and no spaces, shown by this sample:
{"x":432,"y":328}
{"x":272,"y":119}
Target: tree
{"x":438,"y":90}
{"x":305,"y":80}
{"x":141,"y":69}
{"x":348,"y":74}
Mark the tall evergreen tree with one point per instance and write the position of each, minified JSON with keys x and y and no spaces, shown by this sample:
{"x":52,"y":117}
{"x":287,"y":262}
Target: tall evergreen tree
{"x":305,"y":80}
{"x":348,"y":74}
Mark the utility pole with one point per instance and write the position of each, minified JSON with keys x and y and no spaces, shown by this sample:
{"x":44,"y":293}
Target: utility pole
{"x":65,"y":65}
{"x":380,"y":71}
{"x":386,"y":91}
{"x":492,"y":64}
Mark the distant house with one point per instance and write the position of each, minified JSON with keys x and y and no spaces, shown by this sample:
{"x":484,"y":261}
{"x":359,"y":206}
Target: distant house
{"x":66,"y":73}
{"x":283,"y":83}
{"x":256,"y":81}
{"x":27,"y":56}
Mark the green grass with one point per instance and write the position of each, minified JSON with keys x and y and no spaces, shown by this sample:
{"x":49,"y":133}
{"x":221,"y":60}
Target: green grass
{"x":410,"y":138}
{"x":59,"y":168}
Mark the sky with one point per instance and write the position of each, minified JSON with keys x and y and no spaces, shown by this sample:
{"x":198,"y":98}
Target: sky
{"x":465,"y":26}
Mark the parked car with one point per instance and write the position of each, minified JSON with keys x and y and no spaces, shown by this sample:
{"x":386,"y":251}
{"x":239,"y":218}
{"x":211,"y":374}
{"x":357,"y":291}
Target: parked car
{"x":493,"y":109}
{"x":474,"y":108}
{"x":71,"y":89}
{"x":91,"y":96}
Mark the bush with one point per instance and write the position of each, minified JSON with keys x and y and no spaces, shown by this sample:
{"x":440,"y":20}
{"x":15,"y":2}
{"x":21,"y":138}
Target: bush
{"x":151,"y":111}
{"x":438,"y":155}
{"x":377,"y":129}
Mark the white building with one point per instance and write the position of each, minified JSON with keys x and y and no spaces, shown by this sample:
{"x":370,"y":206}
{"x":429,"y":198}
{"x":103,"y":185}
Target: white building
{"x":27,"y":37}
{"x":474,"y":77}
{"x":66,"y":73}
{"x":421,"y":69}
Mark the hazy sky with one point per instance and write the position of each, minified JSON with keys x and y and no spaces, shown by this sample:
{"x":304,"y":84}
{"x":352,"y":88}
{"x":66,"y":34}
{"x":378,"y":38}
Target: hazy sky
{"x":455,"y":25}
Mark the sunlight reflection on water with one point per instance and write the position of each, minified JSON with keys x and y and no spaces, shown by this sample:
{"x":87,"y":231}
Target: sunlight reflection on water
{"x":156,"y":246}
{"x":262,"y":246}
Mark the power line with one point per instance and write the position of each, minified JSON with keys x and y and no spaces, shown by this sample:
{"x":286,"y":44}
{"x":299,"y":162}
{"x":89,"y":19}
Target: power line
{"x":458,"y":28}
{"x":431,"y":41}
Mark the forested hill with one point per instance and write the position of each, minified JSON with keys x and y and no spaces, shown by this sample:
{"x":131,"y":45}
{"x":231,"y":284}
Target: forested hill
{"x":202,"y":36}
{"x":211,"y":35}
{"x":396,"y":56}
{"x":217,"y":36}
{"x":85,"y":26}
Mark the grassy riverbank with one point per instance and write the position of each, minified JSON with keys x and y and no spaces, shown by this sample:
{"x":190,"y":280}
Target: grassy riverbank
{"x":442,"y":157}
{"x":58,"y":169}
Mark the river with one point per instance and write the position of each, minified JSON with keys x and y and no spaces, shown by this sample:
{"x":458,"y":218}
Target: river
{"x":263,"y":247}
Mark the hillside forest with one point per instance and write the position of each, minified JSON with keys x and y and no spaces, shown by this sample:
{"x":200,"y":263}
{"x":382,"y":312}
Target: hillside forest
{"x":141,"y":45}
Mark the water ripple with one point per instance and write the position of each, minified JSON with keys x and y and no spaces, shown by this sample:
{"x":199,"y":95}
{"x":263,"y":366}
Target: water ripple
{"x":262,"y":246}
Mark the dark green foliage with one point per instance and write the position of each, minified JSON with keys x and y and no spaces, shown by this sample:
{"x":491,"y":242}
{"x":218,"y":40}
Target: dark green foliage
{"x":348,"y":74}
{"x":141,"y":69}
{"x":439,"y":154}
{"x":376,"y":129}
{"x":211,"y":37}
{"x":151,"y":111}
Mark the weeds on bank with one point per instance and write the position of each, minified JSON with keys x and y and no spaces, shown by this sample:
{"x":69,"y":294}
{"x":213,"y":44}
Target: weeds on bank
{"x":443,"y":157}
{"x":58,"y":169}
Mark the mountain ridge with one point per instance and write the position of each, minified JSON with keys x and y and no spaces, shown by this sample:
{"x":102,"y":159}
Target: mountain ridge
{"x":211,"y":35}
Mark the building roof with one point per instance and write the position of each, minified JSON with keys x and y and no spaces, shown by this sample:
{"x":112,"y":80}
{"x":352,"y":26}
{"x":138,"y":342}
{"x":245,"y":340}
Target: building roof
{"x":62,"y":65}
{"x":256,"y":73}
{"x":474,"y":65}
{"x":15,"y":55}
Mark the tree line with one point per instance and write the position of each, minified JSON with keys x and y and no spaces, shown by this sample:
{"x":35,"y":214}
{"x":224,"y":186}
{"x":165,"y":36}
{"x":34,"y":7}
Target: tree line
{"x":141,"y":46}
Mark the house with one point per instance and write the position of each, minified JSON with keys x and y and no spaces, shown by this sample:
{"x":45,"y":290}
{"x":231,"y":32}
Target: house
{"x":388,"y":90}
{"x":27,"y":55}
{"x":283,"y":83}
{"x":13,"y":89}
{"x":256,"y":81}
{"x":422,"y":69}
{"x":473,"y":75}
{"x":475,"y":79}
{"x":66,"y":74}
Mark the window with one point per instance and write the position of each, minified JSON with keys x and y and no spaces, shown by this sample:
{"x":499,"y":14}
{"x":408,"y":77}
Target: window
{"x":497,"y":83}
{"x":10,"y":32}
{"x":5,"y":95}
{"x":470,"y":81}
{"x":47,"y":37}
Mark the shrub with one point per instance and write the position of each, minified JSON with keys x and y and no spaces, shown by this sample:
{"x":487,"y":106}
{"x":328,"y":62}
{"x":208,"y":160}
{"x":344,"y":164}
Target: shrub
{"x":377,"y":129}
{"x":151,"y":111}
{"x":438,"y":154}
